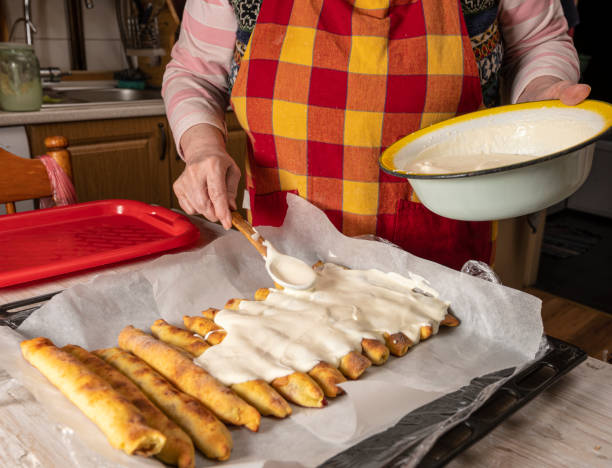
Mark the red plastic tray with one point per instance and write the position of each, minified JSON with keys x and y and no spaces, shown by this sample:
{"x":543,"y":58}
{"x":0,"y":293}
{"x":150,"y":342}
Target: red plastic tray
{"x":43,"y":243}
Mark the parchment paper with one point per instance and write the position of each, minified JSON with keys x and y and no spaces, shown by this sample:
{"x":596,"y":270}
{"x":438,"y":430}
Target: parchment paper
{"x":500,"y":328}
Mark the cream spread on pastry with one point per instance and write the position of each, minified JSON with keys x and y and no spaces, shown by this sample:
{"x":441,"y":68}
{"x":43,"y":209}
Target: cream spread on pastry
{"x":498,"y":145}
{"x":290,"y":271}
{"x":294,"y":330}
{"x":208,"y":334}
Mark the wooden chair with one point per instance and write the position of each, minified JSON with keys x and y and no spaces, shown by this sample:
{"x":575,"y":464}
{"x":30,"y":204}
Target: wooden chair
{"x":26,"y":179}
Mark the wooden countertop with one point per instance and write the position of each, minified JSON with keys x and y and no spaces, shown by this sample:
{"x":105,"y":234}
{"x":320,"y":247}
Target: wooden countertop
{"x":567,"y":425}
{"x":582,"y":326}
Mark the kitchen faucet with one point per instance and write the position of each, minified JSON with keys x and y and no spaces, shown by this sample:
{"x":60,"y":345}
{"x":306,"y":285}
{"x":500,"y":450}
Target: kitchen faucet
{"x":52,"y":74}
{"x":49,"y":74}
{"x":27,"y":21}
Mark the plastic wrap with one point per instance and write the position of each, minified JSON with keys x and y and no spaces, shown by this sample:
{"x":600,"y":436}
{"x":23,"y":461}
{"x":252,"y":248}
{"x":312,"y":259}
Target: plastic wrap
{"x":480,"y":270}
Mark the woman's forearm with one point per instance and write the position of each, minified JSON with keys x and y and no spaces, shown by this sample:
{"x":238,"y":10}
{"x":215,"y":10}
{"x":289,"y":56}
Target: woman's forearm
{"x":195,"y":81}
{"x":198,"y":137}
{"x":536,"y":44}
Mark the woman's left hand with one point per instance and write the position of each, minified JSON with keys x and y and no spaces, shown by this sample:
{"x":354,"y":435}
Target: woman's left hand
{"x":550,"y":87}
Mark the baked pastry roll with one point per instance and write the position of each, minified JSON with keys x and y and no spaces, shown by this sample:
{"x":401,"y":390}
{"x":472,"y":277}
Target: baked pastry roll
{"x":325,"y":375}
{"x":121,"y":422}
{"x":178,"y":449}
{"x":208,"y":433}
{"x":190,"y":378}
{"x":179,"y":338}
{"x":205,"y":327}
{"x":297,"y":387}
{"x":255,"y":392}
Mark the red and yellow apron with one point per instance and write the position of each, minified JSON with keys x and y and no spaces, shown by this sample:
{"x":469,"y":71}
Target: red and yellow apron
{"x":325,"y":85}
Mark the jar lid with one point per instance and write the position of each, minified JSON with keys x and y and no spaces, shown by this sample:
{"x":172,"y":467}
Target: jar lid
{"x":15,"y":45}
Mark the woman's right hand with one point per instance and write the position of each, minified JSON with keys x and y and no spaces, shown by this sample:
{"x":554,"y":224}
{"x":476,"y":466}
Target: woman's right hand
{"x":209,"y":183}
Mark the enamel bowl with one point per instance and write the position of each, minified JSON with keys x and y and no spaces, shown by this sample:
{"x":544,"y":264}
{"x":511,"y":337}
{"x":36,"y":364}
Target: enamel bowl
{"x":554,"y":145}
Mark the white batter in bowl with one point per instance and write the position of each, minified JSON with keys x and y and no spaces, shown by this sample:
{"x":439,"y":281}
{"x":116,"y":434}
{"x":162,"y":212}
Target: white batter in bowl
{"x":502,"y":162}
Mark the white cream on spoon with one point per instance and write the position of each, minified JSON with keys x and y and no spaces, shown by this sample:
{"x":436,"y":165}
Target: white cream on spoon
{"x":287,"y":271}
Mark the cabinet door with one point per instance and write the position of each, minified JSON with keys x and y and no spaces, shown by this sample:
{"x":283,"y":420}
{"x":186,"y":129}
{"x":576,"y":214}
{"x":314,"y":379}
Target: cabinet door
{"x":177,"y":165}
{"x":122,"y":158}
{"x":236,"y":147}
{"x":518,"y":248}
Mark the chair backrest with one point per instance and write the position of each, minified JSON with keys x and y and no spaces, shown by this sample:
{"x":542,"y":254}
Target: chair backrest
{"x":25,"y":179}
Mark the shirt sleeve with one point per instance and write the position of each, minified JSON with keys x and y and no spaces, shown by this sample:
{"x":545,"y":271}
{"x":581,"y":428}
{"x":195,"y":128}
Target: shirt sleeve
{"x":195,"y":81}
{"x":536,"y":44}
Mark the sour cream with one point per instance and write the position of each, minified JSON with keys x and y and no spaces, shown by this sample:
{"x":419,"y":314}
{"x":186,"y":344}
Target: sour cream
{"x":499,"y":145}
{"x":294,"y":330}
{"x":289,"y":272}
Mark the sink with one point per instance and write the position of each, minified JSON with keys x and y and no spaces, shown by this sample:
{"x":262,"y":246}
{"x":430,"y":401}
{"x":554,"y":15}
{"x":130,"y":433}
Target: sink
{"x":66,"y":96}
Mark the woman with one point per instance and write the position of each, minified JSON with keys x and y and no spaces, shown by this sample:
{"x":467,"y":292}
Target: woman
{"x":326,"y":85}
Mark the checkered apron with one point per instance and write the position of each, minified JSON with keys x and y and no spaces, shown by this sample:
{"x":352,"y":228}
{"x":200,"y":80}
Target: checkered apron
{"x":326,"y":85}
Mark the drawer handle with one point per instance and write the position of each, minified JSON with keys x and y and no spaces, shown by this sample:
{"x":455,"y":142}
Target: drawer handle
{"x":164,"y":140}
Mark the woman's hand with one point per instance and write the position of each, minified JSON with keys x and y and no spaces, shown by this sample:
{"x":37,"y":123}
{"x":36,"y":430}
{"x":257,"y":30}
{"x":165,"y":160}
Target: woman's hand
{"x":550,"y":87}
{"x":209,"y":183}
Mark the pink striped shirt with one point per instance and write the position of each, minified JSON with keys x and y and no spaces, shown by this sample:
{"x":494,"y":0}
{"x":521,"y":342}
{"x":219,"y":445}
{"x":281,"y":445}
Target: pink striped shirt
{"x":195,"y":82}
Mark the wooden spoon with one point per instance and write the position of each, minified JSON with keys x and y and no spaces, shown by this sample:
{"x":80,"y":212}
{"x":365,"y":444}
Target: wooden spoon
{"x":250,"y":233}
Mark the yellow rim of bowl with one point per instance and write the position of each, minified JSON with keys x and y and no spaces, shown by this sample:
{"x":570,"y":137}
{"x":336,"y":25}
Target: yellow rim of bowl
{"x":387,"y":158}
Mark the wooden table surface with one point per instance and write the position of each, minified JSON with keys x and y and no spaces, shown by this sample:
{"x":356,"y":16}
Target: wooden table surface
{"x":568,"y":425}
{"x":580,"y":325}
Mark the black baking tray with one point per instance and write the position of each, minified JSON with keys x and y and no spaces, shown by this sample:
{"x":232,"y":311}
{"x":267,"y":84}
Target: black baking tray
{"x":13,"y":314}
{"x":396,"y":446}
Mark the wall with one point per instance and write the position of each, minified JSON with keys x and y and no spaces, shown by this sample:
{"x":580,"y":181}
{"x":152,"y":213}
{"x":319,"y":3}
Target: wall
{"x":52,"y":42}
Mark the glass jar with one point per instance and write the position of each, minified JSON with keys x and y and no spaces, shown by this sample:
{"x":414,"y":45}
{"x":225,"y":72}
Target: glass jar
{"x":20,"y":87}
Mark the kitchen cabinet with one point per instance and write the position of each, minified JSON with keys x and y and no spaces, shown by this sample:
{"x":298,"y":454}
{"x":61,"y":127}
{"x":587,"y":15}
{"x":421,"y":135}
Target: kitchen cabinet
{"x":517,"y":250}
{"x":118,"y":158}
{"x":237,"y":148}
{"x":133,"y":158}
{"x":176,"y":168}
